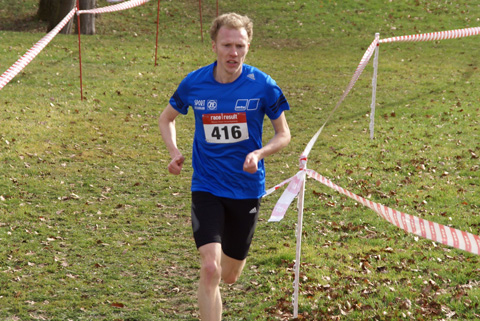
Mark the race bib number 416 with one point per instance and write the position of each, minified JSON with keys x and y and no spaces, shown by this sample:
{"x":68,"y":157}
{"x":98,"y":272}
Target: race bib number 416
{"x":225,"y":128}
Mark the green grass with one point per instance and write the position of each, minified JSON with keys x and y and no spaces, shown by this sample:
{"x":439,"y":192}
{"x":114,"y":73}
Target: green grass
{"x":93,"y":227}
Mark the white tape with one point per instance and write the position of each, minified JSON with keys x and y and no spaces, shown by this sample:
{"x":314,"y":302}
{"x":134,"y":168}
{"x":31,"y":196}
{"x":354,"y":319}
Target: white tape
{"x":287,"y":197}
{"x":117,"y":7}
{"x":21,"y":63}
{"x":451,"y":34}
{"x":412,"y":224}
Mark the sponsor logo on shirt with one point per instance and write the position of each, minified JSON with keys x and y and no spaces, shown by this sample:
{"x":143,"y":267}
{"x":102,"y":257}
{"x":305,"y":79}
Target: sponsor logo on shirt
{"x":253,"y":104}
{"x":212,"y":104}
{"x":199,"y":104}
{"x":247,"y":104}
{"x":241,"y":105}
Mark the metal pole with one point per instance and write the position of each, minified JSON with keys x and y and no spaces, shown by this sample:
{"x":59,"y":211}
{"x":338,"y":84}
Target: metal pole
{"x":79,"y":51}
{"x":301,"y":197}
{"x":201,"y":21}
{"x":156,"y":43}
{"x":374,"y":87}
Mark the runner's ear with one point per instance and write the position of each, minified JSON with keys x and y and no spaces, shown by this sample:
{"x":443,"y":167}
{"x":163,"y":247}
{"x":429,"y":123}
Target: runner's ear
{"x":214,"y":46}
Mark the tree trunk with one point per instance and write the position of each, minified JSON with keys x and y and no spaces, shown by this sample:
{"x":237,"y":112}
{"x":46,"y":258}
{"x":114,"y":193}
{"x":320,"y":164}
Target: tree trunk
{"x":65,"y":7}
{"x":87,"y":21}
{"x":45,"y":9}
{"x":54,"y":11}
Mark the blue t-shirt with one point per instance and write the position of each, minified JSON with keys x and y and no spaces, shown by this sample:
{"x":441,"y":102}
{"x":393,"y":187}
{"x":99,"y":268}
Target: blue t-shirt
{"x":228,"y":126}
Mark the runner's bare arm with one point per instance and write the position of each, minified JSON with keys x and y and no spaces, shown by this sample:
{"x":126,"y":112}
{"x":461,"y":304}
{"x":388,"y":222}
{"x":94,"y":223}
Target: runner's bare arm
{"x":280,"y":139}
{"x":166,"y":122}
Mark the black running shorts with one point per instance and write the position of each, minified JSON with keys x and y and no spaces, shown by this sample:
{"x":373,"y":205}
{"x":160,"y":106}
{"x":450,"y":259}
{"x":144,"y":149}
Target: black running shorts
{"x":230,"y":222}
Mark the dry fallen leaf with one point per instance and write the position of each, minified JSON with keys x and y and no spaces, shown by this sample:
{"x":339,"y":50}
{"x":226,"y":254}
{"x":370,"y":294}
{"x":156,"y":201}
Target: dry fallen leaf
{"x":118,"y":305}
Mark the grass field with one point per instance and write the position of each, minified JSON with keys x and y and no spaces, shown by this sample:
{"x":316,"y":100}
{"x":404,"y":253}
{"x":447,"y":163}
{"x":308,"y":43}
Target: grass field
{"x":92,"y":226}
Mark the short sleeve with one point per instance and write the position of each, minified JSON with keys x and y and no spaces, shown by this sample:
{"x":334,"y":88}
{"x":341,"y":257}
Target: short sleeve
{"x":276,"y":103}
{"x":179,"y":100}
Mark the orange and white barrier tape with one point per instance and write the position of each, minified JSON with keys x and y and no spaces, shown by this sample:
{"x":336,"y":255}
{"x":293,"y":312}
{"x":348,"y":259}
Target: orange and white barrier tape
{"x":294,"y":185}
{"x":360,"y":68}
{"x":292,"y":190}
{"x":442,"y":35}
{"x":21,"y":63}
{"x":409,"y":223}
{"x":116,"y":7}
{"x":459,"y":33}
{"x":412,"y":224}
{"x":273,"y":189}
{"x":430,"y":230}
{"x":34,"y":51}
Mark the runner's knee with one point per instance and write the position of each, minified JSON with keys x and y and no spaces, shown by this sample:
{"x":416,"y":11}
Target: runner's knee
{"x":211,"y":271}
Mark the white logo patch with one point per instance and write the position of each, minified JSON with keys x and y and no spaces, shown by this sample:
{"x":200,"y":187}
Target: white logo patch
{"x":253,"y":104}
{"x":199,"y":104}
{"x":247,"y":104}
{"x":212,"y":104}
{"x":241,"y":105}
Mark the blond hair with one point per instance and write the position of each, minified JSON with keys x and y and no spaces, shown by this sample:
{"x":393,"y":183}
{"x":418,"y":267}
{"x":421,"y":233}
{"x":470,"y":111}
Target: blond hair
{"x":232,"y":21}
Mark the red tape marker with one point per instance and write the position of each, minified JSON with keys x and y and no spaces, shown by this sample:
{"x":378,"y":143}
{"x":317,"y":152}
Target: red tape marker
{"x":116,"y":7}
{"x":21,"y":63}
{"x":287,"y":197}
{"x":451,"y":34}
{"x":412,"y":224}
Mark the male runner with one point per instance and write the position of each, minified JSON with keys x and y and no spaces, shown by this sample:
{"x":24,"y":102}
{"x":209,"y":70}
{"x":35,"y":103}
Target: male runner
{"x":230,"y":100}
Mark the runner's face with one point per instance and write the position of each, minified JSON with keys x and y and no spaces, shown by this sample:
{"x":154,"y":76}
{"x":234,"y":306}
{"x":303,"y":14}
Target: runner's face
{"x":231,"y":47}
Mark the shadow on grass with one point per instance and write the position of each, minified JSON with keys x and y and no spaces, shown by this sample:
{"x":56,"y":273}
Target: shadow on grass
{"x":23,"y":24}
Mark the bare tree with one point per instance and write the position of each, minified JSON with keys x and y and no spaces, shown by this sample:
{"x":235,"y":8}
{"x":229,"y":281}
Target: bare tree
{"x":87,"y":21}
{"x":45,"y":9}
{"x":54,"y":11}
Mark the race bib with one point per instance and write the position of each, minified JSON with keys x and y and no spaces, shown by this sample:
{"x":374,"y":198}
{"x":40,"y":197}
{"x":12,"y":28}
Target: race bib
{"x":225,"y":128}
